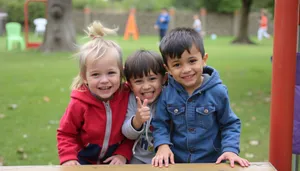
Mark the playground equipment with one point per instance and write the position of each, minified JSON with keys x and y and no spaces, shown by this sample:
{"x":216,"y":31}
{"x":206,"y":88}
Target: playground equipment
{"x":283,"y":84}
{"x":296,"y":129}
{"x":40,"y":26}
{"x":26,"y":27}
{"x":13,"y":35}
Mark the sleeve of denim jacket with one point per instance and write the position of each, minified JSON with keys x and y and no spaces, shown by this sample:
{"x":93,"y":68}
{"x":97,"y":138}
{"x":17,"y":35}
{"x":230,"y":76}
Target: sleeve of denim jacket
{"x":230,"y":124}
{"x":161,"y":123}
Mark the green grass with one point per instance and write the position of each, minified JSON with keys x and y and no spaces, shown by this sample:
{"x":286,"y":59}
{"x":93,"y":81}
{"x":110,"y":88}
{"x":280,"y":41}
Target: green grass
{"x":27,"y":77}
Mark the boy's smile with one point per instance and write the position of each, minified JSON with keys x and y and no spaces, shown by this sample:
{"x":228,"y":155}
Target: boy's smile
{"x":147,"y":87}
{"x":187,"y":70}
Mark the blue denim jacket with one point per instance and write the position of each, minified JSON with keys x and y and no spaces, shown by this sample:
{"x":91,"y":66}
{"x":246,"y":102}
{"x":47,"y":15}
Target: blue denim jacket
{"x":203,"y":126}
{"x":163,"y":25}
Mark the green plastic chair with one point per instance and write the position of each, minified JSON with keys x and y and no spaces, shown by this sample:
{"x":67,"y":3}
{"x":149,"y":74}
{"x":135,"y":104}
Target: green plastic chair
{"x":13,"y":35}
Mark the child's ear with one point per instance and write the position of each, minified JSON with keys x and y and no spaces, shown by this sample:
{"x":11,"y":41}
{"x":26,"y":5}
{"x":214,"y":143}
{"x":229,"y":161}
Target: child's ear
{"x":128,"y":83}
{"x":165,"y":79}
{"x":83,"y":78}
{"x":166,"y":67}
{"x":204,"y":59}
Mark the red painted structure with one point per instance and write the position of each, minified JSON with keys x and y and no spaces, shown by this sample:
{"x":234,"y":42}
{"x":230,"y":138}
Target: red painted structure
{"x":26,"y":27}
{"x":283,"y":83}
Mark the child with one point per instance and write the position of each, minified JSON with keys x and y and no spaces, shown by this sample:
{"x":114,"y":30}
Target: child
{"x":263,"y":26}
{"x":90,"y":129}
{"x":162,"y":22}
{"x":205,"y":129}
{"x":145,"y":74}
{"x":197,"y":24}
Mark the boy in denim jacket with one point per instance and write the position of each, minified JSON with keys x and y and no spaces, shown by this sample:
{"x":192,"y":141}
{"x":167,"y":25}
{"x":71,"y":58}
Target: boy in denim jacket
{"x":196,"y":103}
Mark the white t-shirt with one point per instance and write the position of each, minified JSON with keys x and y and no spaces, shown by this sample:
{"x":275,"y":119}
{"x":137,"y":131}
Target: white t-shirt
{"x":197,"y":24}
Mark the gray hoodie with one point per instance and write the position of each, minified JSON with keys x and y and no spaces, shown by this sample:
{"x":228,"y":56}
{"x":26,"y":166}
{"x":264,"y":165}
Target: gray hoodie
{"x":143,"y":146}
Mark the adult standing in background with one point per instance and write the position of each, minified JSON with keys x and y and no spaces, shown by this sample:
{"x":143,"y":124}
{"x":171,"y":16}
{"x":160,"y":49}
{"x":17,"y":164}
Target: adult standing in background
{"x":263,"y":26}
{"x":162,"y":22}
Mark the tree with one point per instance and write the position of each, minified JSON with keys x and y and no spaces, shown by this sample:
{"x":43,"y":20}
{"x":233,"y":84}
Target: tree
{"x":60,"y":32}
{"x":243,"y":37}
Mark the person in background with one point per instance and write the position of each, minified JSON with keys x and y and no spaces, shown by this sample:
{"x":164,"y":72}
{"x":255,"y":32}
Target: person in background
{"x":197,"y":24}
{"x":263,"y":26}
{"x":162,"y":23}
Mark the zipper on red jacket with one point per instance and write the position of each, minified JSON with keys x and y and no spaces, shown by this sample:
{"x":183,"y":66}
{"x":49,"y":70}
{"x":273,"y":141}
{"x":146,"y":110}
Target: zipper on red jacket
{"x":107,"y":132}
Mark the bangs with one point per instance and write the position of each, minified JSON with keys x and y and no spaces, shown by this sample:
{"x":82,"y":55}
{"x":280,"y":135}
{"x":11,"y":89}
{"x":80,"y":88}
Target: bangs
{"x":179,"y":40}
{"x":142,"y":63}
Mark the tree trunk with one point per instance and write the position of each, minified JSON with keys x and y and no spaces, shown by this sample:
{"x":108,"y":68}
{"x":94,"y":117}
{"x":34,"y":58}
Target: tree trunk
{"x":243,"y":37}
{"x":60,"y":31}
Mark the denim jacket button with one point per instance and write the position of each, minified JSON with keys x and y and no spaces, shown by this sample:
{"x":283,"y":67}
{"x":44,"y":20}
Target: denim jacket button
{"x":206,"y":111}
{"x":175,"y":110}
{"x":191,"y":129}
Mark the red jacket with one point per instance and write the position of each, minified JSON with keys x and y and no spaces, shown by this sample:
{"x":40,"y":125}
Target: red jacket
{"x":81,"y":133}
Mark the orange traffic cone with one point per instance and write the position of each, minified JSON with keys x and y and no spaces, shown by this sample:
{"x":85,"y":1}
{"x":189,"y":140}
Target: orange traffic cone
{"x":131,"y":27}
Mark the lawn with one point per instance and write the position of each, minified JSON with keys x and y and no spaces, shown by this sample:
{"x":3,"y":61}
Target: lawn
{"x":35,"y":92}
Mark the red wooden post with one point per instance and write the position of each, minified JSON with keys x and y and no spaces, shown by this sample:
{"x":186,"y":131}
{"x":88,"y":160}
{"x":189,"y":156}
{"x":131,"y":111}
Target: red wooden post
{"x":283,"y":83}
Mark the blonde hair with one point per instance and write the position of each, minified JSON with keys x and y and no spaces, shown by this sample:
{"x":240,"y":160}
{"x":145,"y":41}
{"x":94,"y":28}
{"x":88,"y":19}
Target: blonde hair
{"x":95,"y":49}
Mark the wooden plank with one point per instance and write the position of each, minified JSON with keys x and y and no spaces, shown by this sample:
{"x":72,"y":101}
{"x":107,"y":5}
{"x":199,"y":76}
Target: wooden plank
{"x":257,"y":166}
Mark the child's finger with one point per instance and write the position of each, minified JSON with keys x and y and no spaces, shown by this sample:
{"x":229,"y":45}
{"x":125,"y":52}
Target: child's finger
{"x":246,"y":163}
{"x":145,"y":102}
{"x":108,"y":159}
{"x":172,"y":159}
{"x":219,"y":160}
{"x":231,"y":163}
{"x":139,"y":102}
{"x":166,"y":161}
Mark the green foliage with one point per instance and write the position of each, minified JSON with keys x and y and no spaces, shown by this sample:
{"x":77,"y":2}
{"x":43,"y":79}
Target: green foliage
{"x":150,"y":5}
{"x":267,"y":4}
{"x":224,"y":6}
{"x":15,"y":10}
{"x":189,"y":4}
{"x":97,"y":4}
{"x":229,"y":6}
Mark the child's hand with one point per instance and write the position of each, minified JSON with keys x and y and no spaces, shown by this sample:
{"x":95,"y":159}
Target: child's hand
{"x":116,"y":160}
{"x":232,"y":157}
{"x":71,"y":163}
{"x":162,"y":156}
{"x":143,"y":111}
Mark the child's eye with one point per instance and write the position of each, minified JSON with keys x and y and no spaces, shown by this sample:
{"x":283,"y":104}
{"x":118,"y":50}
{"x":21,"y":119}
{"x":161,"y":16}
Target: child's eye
{"x":193,"y":61}
{"x":137,"y":81}
{"x":153,"y":78}
{"x":95,"y":74}
{"x":176,"y":65}
{"x":111,"y":72}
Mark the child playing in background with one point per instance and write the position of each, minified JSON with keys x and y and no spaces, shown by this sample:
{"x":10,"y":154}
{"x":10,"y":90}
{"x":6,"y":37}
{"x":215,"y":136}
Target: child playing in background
{"x":145,"y":74}
{"x":197,"y":24}
{"x":90,"y":130}
{"x":263,"y":26}
{"x":195,"y":101}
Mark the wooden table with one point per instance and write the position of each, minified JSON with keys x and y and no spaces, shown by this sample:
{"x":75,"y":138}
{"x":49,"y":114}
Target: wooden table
{"x":259,"y":166}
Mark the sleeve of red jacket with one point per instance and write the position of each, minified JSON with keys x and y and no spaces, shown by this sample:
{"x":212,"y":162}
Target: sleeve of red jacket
{"x":68,"y":131}
{"x":125,"y":149}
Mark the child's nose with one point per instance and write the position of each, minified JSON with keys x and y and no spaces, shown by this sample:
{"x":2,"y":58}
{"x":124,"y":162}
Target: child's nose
{"x":103,"y":79}
{"x":186,"y":69}
{"x":146,"y":86}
